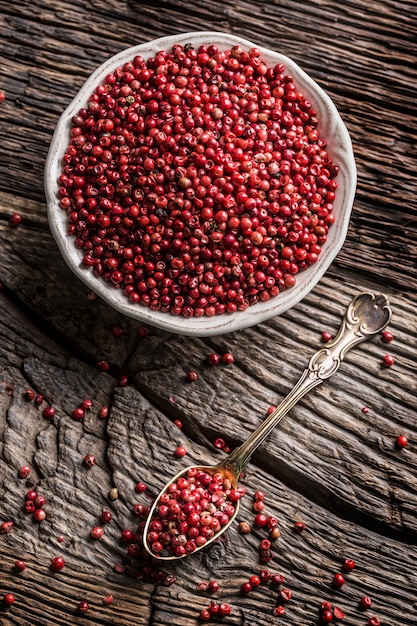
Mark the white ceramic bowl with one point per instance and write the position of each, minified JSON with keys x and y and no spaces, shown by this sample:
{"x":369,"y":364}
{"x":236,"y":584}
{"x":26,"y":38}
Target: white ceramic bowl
{"x":339,"y":146}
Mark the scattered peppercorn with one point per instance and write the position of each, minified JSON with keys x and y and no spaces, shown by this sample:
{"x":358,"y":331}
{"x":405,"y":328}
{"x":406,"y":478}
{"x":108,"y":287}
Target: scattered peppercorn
{"x":103,"y":412}
{"x":8,"y":599}
{"x":275,"y":533}
{"x":228,"y":358}
{"x":39,"y":515}
{"x":6,"y":527}
{"x":48,"y":412}
{"x":277,"y":580}
{"x":86,"y":404}
{"x":365,"y":602}
{"x":15,"y":219}
{"x":326,"y":616}
{"x":338,"y":580}
{"x":97,"y":532}
{"x":107,"y":600}
{"x":24,"y":471}
{"x":244,"y":528}
{"x":58,"y":563}
{"x":83,"y":606}
{"x":213,"y":586}
{"x":285,"y":594}
{"x":338,"y":613}
{"x":260,"y":520}
{"x":388,"y":360}
{"x":89,"y":460}
{"x":180,"y":451}
{"x":78,"y":414}
{"x":104,"y":366}
{"x":192,"y":376}
{"x":20,"y":565}
{"x":246,"y":587}
{"x":326,"y":336}
{"x":278,"y":611}
{"x":401,"y":441}
{"x":386,"y":336}
{"x":348,"y":565}
{"x":106,"y":517}
{"x":213,"y":359}
{"x":113,"y":494}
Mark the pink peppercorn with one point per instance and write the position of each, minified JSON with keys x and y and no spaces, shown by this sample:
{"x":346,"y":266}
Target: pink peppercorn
{"x":180,"y":451}
{"x":20,"y":566}
{"x":8,"y":599}
{"x":103,"y":412}
{"x":348,"y":565}
{"x":213,"y":359}
{"x":78,"y":414}
{"x":401,"y":441}
{"x":338,"y":613}
{"x":58,"y":563}
{"x":228,"y":358}
{"x":338,"y":580}
{"x":6,"y":527}
{"x":388,"y":360}
{"x":15,"y":219}
{"x":386,"y":336}
{"x":24,"y":471}
{"x":326,"y":336}
{"x":260,"y":520}
{"x":279,"y":611}
{"x":107,"y":600}
{"x":365,"y":602}
{"x":48,"y":412}
{"x":326,"y":616}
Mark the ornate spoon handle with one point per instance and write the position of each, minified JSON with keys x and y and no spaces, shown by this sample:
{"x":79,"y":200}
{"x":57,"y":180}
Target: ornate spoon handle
{"x":367,"y":315}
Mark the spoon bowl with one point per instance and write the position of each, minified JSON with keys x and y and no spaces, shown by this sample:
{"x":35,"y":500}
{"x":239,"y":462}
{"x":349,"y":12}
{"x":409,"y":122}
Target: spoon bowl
{"x":366,"y":315}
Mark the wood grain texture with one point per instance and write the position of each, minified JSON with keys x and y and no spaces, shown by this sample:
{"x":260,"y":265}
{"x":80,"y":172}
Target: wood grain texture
{"x":329,"y":463}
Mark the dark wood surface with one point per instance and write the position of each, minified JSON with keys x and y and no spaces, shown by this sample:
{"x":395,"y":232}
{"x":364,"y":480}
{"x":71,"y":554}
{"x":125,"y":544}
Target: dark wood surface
{"x":329,"y":464}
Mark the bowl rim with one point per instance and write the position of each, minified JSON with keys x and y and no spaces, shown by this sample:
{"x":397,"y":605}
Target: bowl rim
{"x":342,"y":153}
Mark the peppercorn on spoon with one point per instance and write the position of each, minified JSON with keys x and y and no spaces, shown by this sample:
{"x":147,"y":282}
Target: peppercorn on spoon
{"x":366,"y":315}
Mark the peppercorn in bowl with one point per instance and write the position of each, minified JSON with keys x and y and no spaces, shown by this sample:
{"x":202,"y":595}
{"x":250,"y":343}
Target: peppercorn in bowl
{"x":199,"y":183}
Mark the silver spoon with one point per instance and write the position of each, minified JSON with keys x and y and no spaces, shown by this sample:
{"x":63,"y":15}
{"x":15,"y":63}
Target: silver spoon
{"x":367,"y":315}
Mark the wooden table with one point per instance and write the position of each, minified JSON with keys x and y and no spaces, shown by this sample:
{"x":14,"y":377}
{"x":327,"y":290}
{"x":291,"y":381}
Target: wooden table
{"x":330,"y":464}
